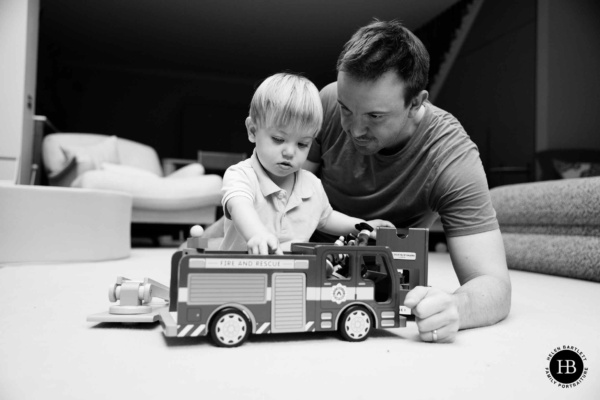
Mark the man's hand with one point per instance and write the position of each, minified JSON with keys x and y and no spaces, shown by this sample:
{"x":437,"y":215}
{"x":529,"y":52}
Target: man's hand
{"x":436,"y":313}
{"x":264,"y":243}
{"x":376,"y":223}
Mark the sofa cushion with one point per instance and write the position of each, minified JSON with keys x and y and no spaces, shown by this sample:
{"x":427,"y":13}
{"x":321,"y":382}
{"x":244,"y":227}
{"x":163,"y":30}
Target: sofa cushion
{"x":133,"y":172}
{"x":551,"y":227}
{"x":157,"y":193}
{"x":92,"y":157}
{"x":569,"y":256}
{"x":188,"y":171}
{"x":561,"y":207}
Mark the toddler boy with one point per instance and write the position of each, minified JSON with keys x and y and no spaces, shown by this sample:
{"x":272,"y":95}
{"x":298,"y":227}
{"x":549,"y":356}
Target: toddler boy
{"x":269,"y":201}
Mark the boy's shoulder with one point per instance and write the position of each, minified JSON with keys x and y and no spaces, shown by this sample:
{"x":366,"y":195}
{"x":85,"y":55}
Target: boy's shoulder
{"x":309,"y":179}
{"x":240,"y":166}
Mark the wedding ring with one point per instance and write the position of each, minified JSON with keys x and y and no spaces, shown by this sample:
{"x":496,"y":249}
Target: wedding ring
{"x":434,"y":336}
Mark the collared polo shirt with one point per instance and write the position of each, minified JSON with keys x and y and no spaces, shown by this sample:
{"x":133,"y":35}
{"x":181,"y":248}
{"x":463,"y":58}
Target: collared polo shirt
{"x":292,"y":217}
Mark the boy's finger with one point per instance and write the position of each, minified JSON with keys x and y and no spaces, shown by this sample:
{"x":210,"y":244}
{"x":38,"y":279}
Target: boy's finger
{"x":264,"y":248}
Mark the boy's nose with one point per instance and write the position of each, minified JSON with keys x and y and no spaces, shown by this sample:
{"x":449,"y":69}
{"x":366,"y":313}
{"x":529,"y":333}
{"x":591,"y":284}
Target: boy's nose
{"x":288,"y":151}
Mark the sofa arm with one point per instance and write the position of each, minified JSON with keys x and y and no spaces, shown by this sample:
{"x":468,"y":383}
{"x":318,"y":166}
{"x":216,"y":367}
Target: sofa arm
{"x":65,"y":176}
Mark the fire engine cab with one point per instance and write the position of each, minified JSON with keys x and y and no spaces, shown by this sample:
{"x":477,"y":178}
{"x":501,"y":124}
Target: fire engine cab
{"x":229,"y":295}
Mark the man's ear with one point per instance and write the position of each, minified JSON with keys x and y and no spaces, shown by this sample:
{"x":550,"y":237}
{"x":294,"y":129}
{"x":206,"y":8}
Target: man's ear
{"x":251,"y":128}
{"x":417,"y":102}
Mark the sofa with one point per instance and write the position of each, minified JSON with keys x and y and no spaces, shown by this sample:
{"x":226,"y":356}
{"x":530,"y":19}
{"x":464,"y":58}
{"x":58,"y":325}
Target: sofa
{"x":100,"y":162}
{"x":551,"y":227}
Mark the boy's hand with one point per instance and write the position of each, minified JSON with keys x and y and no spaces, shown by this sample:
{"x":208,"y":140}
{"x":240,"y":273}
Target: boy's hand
{"x":264,"y":243}
{"x":375,"y":223}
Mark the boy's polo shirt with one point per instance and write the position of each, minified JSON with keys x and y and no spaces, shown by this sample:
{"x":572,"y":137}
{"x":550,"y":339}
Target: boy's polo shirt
{"x":292,"y":217}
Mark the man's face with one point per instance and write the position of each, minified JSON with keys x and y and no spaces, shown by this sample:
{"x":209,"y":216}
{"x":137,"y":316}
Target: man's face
{"x":373,"y":112}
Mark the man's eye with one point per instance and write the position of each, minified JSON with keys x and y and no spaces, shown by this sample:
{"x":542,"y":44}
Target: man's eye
{"x":376,"y":116}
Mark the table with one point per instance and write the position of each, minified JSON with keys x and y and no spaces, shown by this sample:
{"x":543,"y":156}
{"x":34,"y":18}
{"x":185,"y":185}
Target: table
{"x":48,"y":349}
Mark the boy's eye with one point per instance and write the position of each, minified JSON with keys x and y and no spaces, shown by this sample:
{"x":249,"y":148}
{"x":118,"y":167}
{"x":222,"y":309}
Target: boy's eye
{"x":277,"y":139}
{"x":303,"y":145}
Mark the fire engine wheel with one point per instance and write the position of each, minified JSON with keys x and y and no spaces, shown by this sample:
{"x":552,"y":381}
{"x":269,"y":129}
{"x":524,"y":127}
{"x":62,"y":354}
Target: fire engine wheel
{"x":356,"y":324}
{"x":230,"y":328}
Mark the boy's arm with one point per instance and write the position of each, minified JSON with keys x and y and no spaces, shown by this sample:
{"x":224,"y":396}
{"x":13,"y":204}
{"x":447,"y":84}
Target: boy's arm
{"x":258,"y":238}
{"x":342,"y":224}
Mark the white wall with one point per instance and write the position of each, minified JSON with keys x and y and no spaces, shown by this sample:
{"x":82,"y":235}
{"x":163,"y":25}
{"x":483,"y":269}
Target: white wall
{"x":18,"y":52}
{"x":568,"y":74}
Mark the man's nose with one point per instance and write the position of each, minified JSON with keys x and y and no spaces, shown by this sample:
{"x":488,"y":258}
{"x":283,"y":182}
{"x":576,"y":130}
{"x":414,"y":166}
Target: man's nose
{"x":357,"y":128}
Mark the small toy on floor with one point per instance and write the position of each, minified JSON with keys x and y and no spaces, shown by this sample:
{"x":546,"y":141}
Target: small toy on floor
{"x":135,"y":301}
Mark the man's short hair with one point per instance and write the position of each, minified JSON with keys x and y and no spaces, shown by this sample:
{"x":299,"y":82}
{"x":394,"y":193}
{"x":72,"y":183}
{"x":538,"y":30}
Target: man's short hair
{"x":384,"y":46}
{"x":284,"y":100}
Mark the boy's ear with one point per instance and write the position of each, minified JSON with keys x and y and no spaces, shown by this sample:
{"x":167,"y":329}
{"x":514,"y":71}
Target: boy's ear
{"x":251,"y":128}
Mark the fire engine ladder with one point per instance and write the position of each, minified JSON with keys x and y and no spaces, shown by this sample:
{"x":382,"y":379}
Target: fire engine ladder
{"x":135,"y":301}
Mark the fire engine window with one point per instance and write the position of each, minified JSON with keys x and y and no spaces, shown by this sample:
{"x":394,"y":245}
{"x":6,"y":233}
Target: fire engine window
{"x":337,"y":265}
{"x":404,"y":279}
{"x":375,"y":268}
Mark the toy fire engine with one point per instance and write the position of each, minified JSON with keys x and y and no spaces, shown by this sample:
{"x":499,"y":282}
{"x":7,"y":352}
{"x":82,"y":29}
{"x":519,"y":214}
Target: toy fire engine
{"x":315,"y":287}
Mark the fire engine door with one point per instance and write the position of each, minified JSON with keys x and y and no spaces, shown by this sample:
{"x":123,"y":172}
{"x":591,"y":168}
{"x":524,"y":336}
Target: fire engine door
{"x":339,"y":286}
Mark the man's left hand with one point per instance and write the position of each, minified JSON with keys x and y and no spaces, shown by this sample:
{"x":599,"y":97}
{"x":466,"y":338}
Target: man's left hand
{"x":436,"y":314}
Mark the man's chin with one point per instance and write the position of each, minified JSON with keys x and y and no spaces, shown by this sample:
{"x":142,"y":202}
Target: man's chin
{"x":365,"y":150}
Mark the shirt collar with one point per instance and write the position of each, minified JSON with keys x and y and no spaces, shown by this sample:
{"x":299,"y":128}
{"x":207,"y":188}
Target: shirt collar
{"x":302,"y":188}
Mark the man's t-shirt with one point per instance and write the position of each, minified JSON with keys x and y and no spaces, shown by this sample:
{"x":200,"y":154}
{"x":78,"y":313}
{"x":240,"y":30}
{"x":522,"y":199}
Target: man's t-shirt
{"x":438,"y":171}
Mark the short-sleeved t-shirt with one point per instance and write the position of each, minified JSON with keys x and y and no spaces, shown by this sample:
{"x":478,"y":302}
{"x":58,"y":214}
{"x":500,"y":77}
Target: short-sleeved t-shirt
{"x":291,"y":218}
{"x":438,"y":171}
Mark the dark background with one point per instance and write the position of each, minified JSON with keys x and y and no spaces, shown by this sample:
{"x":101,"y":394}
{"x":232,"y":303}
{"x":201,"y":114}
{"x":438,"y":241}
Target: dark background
{"x":179,"y":75}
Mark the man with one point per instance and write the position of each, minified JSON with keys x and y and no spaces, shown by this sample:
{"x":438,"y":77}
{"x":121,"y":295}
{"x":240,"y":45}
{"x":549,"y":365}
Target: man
{"x":386,"y":152}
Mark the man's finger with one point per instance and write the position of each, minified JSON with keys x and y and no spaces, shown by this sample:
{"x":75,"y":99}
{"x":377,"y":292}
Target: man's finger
{"x":415,"y":296}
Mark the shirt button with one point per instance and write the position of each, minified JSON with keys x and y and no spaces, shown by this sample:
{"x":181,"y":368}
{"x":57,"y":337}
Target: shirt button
{"x":280,"y":195}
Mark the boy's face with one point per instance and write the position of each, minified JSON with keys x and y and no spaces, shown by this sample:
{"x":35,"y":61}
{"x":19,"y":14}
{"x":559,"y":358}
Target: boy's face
{"x":281,"y":151}
{"x":373,"y":113}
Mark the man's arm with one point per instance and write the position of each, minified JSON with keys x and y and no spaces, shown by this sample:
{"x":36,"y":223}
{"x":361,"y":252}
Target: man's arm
{"x":484,"y":297}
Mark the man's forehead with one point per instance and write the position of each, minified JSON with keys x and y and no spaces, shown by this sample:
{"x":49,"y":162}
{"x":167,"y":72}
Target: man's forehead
{"x":379,"y":93}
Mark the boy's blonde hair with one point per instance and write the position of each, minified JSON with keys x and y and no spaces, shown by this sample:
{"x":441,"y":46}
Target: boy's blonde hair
{"x":287,"y":100}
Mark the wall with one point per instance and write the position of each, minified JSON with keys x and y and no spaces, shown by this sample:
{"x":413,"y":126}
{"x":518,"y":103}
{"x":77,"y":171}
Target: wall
{"x":569,"y":57}
{"x":175,"y":112}
{"x":491,"y":88}
{"x":18,"y":52}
